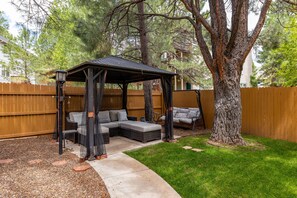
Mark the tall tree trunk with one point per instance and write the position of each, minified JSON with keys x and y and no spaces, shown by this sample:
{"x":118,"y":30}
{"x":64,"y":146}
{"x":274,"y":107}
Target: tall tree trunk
{"x":147,"y":85}
{"x":228,"y":111}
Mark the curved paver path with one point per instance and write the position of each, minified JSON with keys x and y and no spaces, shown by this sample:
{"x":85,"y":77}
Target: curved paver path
{"x":125,"y":176}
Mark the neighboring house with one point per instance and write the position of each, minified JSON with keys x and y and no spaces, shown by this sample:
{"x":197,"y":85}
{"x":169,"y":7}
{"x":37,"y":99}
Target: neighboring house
{"x":182,"y":82}
{"x":4,"y":74}
{"x":247,"y":70}
{"x":7,"y":76}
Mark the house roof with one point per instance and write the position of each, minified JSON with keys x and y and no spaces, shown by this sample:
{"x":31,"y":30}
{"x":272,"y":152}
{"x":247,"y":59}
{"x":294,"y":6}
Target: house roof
{"x":119,"y":70}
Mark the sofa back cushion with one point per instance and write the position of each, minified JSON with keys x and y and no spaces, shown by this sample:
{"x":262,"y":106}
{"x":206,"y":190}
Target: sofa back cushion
{"x":195,"y":112}
{"x":182,"y":110}
{"x":104,"y":116}
{"x":114,"y":114}
{"x":78,"y":117}
{"x":122,"y":116}
{"x":181,"y":115}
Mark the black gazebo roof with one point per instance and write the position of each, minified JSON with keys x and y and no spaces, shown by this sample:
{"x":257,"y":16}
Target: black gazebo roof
{"x":119,"y":70}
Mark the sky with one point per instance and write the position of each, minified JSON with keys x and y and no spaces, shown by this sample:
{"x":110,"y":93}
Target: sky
{"x":12,"y":15}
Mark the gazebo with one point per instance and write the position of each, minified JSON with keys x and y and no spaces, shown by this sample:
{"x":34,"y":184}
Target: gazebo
{"x":116,"y":70}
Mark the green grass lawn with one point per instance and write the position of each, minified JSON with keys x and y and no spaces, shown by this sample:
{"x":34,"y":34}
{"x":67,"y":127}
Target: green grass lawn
{"x":269,"y":170}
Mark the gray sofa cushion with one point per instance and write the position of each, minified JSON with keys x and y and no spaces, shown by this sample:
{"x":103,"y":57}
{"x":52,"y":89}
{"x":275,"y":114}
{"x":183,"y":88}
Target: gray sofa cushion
{"x":194,"y":113}
{"x":176,"y":120}
{"x":114,"y":114}
{"x":111,"y":124}
{"x":78,"y":117}
{"x":104,"y":116}
{"x":186,"y":120}
{"x":83,"y":130}
{"x":181,"y":115}
{"x":122,"y":116}
{"x":183,"y":110}
{"x":140,"y":126}
{"x":174,"y":112}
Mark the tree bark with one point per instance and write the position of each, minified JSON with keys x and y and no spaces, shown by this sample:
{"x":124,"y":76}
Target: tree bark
{"x":227,"y":120}
{"x":147,"y":85}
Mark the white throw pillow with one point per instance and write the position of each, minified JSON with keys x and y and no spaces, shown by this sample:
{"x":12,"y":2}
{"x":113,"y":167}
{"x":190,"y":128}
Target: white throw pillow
{"x":122,"y":116}
{"x":181,"y":115}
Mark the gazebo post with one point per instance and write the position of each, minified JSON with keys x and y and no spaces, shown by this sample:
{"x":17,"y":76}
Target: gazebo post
{"x":90,"y":113}
{"x":170,"y":112}
{"x":125,"y":95}
{"x":167,"y":96}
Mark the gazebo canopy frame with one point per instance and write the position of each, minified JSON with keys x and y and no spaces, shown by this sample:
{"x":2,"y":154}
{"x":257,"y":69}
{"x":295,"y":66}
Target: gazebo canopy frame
{"x":119,"y":71}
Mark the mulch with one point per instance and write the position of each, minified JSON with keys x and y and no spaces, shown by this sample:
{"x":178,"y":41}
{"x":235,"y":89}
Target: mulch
{"x":32,"y":167}
{"x":189,"y":132}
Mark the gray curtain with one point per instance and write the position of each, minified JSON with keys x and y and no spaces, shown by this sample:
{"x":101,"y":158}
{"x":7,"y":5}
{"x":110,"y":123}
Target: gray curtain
{"x":98,"y":93}
{"x":89,"y":150}
{"x":167,"y":96}
{"x":125,"y":96}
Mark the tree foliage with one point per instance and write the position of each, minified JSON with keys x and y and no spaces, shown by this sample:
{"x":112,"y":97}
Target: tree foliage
{"x":19,"y":53}
{"x":4,"y":26}
{"x":57,"y":46}
{"x":288,"y":50}
{"x":278,"y":51}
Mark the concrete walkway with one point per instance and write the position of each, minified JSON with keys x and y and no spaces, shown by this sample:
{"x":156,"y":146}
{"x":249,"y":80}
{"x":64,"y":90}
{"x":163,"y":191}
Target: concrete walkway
{"x":125,"y":176}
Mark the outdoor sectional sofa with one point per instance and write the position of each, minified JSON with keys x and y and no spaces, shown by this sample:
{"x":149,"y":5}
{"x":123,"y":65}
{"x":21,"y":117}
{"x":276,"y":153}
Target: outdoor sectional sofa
{"x":114,"y":123}
{"x":186,"y":117}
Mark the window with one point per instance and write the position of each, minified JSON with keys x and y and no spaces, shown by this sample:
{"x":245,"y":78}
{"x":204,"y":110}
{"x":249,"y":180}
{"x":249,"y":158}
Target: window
{"x":5,"y":73}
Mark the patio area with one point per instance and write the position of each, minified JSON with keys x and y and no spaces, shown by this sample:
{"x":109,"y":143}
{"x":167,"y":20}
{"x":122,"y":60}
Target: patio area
{"x":124,"y":175}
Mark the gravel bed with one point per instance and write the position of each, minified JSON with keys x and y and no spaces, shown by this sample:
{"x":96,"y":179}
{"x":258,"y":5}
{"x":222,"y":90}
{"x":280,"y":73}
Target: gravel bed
{"x":40,"y":178}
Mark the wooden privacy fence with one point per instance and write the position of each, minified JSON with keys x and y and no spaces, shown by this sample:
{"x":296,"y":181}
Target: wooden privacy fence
{"x":267,"y":112}
{"x":31,"y":109}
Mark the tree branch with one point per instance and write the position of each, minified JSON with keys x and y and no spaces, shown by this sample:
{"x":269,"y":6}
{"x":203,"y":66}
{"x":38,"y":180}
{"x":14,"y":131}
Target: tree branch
{"x":201,"y":42}
{"x":257,"y":29}
{"x":294,"y":3}
{"x":236,"y":9}
{"x":121,"y":6}
{"x":195,"y":10}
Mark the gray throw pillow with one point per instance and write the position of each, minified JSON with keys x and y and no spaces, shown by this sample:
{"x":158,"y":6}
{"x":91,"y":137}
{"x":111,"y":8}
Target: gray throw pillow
{"x":78,"y":117}
{"x":104,"y":116}
{"x":114,"y":114}
{"x":122,"y":116}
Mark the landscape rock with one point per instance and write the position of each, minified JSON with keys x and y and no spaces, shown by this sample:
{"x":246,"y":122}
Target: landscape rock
{"x":81,"y":168}
{"x":187,"y":147}
{"x":6,"y":161}
{"x":36,"y":161}
{"x":197,"y":150}
{"x":59,"y":163}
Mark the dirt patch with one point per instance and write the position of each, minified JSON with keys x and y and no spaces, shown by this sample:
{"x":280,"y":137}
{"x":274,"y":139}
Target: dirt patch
{"x":31,"y":173}
{"x":189,"y":132}
{"x":249,"y":145}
